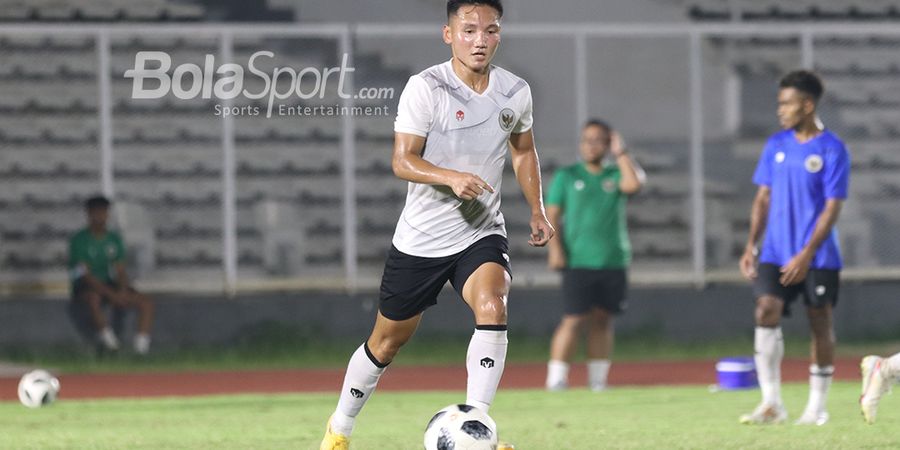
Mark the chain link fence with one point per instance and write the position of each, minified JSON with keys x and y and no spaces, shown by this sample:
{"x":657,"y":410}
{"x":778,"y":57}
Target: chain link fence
{"x":212,"y":191}
{"x":49,"y":163}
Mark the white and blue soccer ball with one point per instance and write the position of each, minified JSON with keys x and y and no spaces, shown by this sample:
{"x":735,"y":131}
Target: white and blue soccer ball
{"x":38,"y":388}
{"x":461,"y":427}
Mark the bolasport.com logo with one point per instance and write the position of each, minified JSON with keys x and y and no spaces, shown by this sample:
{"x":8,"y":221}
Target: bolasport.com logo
{"x":282,"y":90}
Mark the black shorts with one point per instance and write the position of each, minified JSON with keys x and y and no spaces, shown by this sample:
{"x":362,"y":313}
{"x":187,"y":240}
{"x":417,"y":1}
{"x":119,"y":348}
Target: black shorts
{"x":584,"y":289}
{"x":80,"y":287}
{"x":411,"y":284}
{"x":820,"y":287}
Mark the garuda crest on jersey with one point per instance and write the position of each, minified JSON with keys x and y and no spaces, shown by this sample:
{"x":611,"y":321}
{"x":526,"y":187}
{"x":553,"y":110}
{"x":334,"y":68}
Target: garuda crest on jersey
{"x":507,"y":119}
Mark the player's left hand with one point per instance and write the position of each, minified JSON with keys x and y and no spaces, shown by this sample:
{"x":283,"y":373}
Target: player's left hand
{"x":796,"y":269}
{"x":541,"y":230}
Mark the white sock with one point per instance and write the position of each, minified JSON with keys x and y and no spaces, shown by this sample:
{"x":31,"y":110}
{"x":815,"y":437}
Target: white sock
{"x":598,"y":369}
{"x":557,"y":373}
{"x":819,"y":382}
{"x":108,"y":338}
{"x":893,"y":366}
{"x":484,"y":363}
{"x":769,"y":348}
{"x":142,"y":343}
{"x":362,"y":376}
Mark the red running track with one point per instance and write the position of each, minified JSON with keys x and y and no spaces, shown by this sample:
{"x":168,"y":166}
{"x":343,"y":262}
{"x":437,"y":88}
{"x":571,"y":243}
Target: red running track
{"x":399,"y":378}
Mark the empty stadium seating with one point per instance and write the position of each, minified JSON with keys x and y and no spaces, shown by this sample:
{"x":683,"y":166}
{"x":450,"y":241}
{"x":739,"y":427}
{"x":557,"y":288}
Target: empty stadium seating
{"x":168,"y":158}
{"x":804,"y":10}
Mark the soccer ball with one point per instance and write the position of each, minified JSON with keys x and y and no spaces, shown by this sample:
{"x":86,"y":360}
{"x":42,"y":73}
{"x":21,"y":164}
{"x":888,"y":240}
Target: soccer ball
{"x":461,"y":427}
{"x":38,"y":388}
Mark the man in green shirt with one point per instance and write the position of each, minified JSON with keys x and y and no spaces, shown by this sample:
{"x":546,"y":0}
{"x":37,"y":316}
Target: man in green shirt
{"x":586,"y":205}
{"x":97,"y":273}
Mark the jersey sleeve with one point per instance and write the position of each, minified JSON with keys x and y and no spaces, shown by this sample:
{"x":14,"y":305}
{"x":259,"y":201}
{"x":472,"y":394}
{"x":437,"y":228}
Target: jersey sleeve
{"x":763,"y":174}
{"x":837,"y":172}
{"x":415,"y":111}
{"x":526,"y":120}
{"x":556,"y":194}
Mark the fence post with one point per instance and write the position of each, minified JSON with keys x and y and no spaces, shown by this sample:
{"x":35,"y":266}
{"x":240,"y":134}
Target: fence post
{"x":348,"y":170}
{"x":806,"y":49}
{"x":581,"y":82}
{"x":229,"y":202}
{"x":104,"y":110}
{"x":698,"y":224}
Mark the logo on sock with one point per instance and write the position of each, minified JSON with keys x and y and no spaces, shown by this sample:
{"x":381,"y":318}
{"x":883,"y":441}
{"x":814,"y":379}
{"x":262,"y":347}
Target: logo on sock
{"x":356,"y":393}
{"x":487,"y":363}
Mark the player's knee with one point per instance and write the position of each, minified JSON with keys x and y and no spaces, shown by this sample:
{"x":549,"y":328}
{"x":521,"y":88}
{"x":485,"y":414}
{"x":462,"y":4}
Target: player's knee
{"x":145,"y":303}
{"x":818,"y":313}
{"x":92,"y":298}
{"x":767,"y":318}
{"x":385,"y":348}
{"x":768,"y":312}
{"x":491,"y":310}
{"x":573,"y":322}
{"x":601,"y":318}
{"x":819,"y":321}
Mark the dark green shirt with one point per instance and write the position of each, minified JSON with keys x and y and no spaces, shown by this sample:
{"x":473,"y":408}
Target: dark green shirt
{"x":98,"y":255}
{"x":594,"y":234}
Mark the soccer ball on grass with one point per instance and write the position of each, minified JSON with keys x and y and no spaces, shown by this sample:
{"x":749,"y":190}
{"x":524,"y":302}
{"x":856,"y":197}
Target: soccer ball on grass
{"x":461,"y":427}
{"x":38,"y":388}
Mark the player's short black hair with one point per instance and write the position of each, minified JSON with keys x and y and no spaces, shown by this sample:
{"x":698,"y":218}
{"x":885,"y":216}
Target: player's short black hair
{"x":453,"y":5}
{"x":804,"y":81}
{"x":597,"y":123}
{"x":96,"y":202}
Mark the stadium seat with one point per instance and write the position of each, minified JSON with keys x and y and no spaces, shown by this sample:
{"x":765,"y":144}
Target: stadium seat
{"x":16,"y":12}
{"x":140,"y":239}
{"x":284,"y":243}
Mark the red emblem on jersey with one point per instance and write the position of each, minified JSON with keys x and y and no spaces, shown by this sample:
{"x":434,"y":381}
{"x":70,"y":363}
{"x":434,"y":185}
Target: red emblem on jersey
{"x":460,"y":115}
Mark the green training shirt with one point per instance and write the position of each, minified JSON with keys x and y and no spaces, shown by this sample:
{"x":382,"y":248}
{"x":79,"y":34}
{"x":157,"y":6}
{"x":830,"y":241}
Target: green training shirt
{"x":593,"y":215}
{"x":98,"y":254}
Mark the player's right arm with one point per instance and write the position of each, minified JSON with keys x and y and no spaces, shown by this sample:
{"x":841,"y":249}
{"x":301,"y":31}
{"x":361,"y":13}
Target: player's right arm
{"x":759,"y":212}
{"x":415,"y":117}
{"x":409,"y":165}
{"x":759,"y":215}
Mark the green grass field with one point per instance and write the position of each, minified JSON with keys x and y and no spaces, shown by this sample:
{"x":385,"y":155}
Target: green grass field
{"x":627,"y":418}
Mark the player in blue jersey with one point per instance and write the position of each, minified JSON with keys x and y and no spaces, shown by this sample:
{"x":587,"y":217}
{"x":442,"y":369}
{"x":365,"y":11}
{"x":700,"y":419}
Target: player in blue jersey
{"x":802,"y":177}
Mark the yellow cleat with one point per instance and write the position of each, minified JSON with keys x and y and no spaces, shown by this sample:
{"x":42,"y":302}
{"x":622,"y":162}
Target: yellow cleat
{"x":505,"y":446}
{"x":334,"y":441}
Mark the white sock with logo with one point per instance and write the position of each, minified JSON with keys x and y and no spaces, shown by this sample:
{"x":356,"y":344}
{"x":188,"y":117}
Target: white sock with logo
{"x":819,"y":381}
{"x":362,"y":376}
{"x":768,"y":344}
{"x":598,"y":370}
{"x":484,"y":363}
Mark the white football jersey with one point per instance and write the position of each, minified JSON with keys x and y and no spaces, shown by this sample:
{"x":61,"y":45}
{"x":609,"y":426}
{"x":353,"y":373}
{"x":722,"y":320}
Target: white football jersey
{"x":465,"y":131}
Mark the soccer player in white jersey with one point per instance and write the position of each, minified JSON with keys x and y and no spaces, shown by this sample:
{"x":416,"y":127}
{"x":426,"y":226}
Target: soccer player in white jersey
{"x":455,"y":123}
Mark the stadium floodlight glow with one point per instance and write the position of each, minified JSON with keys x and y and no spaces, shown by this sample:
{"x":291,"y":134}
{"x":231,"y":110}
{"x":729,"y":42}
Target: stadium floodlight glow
{"x":155,"y":65}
